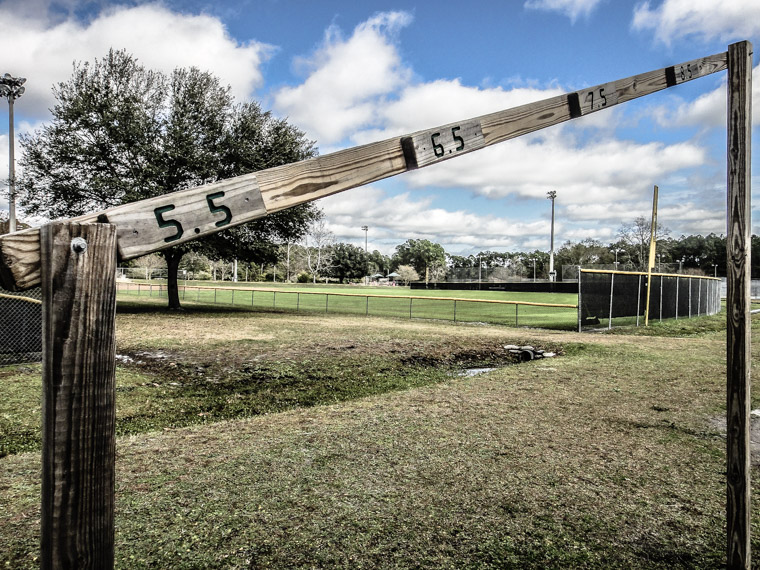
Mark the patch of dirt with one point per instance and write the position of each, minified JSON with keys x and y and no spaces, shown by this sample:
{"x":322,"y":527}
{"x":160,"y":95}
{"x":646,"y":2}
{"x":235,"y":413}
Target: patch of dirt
{"x":719,"y":423}
{"x":231,"y":358}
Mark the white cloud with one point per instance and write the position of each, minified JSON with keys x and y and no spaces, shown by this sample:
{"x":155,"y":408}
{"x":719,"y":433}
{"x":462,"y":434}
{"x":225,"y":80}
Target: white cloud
{"x":390,"y":216}
{"x":702,"y":19}
{"x":707,"y":110}
{"x":530,"y":166}
{"x":570,"y":8}
{"x":161,"y":39}
{"x":348,"y":78}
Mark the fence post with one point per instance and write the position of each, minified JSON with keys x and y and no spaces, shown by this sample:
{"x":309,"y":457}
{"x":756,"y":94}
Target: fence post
{"x":678,"y":281}
{"x":580,"y":318}
{"x":327,"y":301}
{"x":638,"y":303}
{"x":410,"y":308}
{"x":517,"y":307}
{"x":699,"y":297}
{"x":738,"y":347}
{"x":298,"y":301}
{"x":274,"y":299}
{"x":233,"y":296}
{"x":662,"y":287}
{"x":367,"y":309}
{"x":78,"y":273}
{"x":455,"y":310}
{"x":612,"y":288}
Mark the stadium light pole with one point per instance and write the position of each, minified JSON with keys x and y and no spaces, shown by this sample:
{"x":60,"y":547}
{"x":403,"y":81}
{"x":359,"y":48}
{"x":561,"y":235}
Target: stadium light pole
{"x":680,"y":265}
{"x":617,"y":250}
{"x":11,"y":88}
{"x":365,"y":229}
{"x":715,"y":269}
{"x":533,"y":259}
{"x":552,"y":274}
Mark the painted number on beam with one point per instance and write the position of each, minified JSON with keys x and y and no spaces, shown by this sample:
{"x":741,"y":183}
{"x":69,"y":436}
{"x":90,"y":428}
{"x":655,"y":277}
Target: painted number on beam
{"x":165,"y":222}
{"x":687,"y":71}
{"x":169,"y":220}
{"x":593,"y":99}
{"x":442,"y":143}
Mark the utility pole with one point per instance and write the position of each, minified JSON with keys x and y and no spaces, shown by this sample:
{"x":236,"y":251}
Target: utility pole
{"x":552,"y":274}
{"x":366,"y":229}
{"x":11,"y":88}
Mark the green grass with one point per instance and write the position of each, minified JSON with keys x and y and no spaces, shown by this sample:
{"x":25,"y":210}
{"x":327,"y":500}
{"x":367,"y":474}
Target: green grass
{"x":379,"y":301}
{"x":374,"y":454}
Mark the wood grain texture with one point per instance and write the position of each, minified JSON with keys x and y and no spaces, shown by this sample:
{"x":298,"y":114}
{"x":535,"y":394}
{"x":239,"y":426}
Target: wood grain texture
{"x":738,"y":349}
{"x":199,"y":211}
{"x":292,"y":184}
{"x":78,"y":396}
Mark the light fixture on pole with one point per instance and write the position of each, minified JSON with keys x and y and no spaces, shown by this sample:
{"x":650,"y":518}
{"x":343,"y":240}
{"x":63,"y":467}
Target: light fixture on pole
{"x":552,"y":274}
{"x":11,"y":88}
{"x":365,"y":229}
{"x":616,"y":251}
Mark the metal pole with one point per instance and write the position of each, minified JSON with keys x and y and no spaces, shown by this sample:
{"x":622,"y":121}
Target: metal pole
{"x":678,"y":279}
{"x":11,"y":170}
{"x":552,"y":195}
{"x":612,"y":287}
{"x":638,"y":302}
{"x":580,"y":303}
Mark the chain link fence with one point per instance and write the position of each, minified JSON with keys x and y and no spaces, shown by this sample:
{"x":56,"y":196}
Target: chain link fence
{"x":514,"y":313}
{"x":20,"y":326}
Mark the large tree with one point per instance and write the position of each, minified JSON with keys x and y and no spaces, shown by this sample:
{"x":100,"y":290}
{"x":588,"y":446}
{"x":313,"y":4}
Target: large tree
{"x":424,"y":255}
{"x":348,"y":262}
{"x":121,"y":133}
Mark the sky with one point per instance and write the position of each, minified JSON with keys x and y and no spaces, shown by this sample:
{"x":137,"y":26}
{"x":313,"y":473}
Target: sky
{"x":350,"y":72}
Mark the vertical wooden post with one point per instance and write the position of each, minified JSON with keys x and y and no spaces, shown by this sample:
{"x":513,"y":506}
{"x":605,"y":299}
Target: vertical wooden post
{"x":738,"y":304}
{"x":78,"y":418}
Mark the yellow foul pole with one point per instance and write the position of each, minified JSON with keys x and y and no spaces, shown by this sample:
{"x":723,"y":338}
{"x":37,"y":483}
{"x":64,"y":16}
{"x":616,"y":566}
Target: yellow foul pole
{"x":652,"y":249}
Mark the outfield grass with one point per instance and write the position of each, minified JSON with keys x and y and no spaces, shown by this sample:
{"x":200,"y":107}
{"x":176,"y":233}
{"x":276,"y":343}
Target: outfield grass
{"x":399,"y":302}
{"x":355,"y":444}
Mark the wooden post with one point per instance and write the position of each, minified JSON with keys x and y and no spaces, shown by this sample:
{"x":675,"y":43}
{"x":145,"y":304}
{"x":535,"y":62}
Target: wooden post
{"x":738,"y":304}
{"x":78,"y":277}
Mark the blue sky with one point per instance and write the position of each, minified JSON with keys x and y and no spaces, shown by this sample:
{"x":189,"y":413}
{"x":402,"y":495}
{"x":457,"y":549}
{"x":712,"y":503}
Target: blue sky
{"x":351,"y":72}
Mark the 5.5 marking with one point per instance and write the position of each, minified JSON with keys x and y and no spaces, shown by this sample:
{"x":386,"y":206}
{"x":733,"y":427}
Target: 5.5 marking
{"x":179,"y":230}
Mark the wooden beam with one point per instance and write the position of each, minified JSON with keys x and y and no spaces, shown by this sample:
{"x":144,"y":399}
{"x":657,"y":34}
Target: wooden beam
{"x":78,"y":395}
{"x":158,"y":223}
{"x":738,"y":348}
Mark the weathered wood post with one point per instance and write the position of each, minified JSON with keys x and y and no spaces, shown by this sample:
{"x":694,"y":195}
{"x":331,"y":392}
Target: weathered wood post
{"x":738,"y":304}
{"x":78,"y":277}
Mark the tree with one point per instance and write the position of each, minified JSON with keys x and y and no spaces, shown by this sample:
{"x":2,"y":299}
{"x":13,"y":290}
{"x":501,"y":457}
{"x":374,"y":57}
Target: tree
{"x":421,"y":254}
{"x":121,"y":133}
{"x":379,"y":263}
{"x":317,"y":244}
{"x":407,"y":273}
{"x":638,"y":234}
{"x":348,"y":262}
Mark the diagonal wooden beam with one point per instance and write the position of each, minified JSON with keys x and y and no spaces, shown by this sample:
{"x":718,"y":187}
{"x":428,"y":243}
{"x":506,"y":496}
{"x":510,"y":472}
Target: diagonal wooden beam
{"x":157,"y":223}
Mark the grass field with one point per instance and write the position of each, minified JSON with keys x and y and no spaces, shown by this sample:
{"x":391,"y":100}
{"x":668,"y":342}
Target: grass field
{"x":460,"y":306}
{"x":269,"y":439}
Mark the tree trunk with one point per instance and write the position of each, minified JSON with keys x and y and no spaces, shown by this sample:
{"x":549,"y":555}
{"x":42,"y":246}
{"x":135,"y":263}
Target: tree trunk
{"x":173,"y":257}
